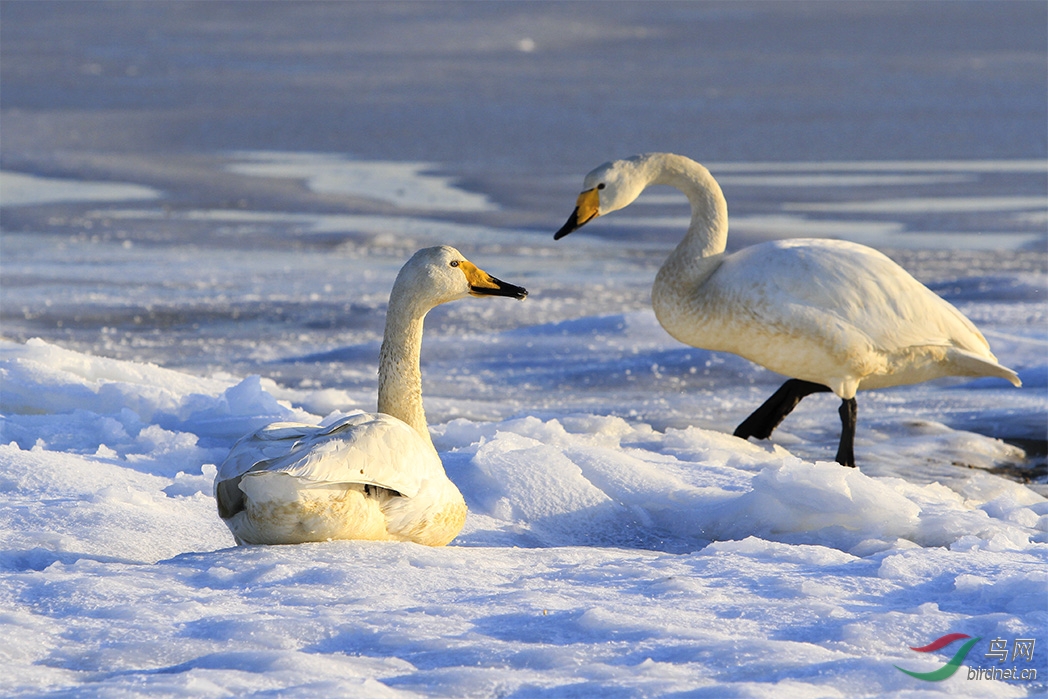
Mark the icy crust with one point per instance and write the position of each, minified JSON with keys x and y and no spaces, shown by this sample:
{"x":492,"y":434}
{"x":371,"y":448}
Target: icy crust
{"x":597,"y":551}
{"x":591,"y":480}
{"x":574,"y":480}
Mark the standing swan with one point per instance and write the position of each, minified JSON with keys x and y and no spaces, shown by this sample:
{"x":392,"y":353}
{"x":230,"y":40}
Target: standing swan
{"x":834,"y":315}
{"x":367,"y":476}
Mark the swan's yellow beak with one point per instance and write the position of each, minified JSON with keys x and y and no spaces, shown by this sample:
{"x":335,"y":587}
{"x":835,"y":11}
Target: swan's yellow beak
{"x":587,"y":208}
{"x":483,"y":284}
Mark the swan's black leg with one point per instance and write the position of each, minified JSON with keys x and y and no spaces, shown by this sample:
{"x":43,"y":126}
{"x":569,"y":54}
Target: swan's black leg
{"x":846,"y":450}
{"x":763,"y":421}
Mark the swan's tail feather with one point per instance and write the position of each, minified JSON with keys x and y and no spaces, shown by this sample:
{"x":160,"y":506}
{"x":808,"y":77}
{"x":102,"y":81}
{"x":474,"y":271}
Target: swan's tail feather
{"x":969,"y":364}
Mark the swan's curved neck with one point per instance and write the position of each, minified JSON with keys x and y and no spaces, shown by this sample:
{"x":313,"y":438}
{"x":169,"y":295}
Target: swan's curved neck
{"x":399,"y":373}
{"x":708,"y":232}
{"x":699,"y":253}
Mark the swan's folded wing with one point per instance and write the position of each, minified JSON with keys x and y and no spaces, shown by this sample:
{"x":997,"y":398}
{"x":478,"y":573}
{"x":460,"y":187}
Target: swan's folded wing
{"x":273,"y":441}
{"x":268,"y":442}
{"x":827,"y":283}
{"x":383,"y":452}
{"x":363,"y":449}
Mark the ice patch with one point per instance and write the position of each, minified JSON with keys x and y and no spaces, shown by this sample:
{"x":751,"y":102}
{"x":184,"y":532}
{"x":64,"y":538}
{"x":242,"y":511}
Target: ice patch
{"x":405,"y":185}
{"x":20,"y":189}
{"x":964,"y":166}
{"x":837,"y":180}
{"x":377,"y":231}
{"x":923,"y":205}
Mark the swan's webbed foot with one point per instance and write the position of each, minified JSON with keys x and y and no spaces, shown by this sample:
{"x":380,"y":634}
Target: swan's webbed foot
{"x":763,"y":421}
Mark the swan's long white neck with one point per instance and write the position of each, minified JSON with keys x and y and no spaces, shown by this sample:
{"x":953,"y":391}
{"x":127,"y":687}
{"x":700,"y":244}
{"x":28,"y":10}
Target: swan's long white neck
{"x":699,"y":253}
{"x":399,"y":373}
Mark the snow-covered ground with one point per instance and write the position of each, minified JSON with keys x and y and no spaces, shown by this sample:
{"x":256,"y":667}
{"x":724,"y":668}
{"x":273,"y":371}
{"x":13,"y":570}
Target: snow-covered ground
{"x":159,"y":300}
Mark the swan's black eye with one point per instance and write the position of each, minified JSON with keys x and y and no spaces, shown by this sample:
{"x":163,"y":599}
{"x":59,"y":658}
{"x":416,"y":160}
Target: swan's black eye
{"x":600,"y":186}
{"x":454,"y":263}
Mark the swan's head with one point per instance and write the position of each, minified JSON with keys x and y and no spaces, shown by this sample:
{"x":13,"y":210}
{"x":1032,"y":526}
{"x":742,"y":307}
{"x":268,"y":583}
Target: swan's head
{"x":610,"y":187}
{"x":437,"y":275}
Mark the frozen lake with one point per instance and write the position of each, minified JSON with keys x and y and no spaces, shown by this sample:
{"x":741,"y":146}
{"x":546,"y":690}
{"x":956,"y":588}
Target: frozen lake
{"x":204,"y":207}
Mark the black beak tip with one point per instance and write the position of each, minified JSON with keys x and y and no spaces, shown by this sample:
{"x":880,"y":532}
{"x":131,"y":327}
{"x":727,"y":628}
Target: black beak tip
{"x":503,"y":289}
{"x":572,"y":224}
{"x":516,"y":292}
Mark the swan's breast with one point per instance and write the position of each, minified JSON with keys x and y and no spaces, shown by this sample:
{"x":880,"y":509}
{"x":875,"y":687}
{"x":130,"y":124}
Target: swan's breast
{"x":438,"y":526}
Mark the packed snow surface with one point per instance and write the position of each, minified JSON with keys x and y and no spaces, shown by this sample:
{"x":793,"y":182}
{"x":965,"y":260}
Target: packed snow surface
{"x":599,"y":552}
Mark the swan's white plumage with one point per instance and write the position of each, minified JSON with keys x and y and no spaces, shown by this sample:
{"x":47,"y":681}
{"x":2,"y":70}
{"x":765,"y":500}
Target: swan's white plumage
{"x":365,"y":476}
{"x":828,"y":312}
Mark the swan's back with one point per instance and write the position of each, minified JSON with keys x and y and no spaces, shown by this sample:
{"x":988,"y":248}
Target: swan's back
{"x":859,"y":286}
{"x":367,"y":476}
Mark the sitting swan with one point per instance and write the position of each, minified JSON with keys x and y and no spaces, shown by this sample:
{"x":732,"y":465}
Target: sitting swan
{"x":365,"y":476}
{"x":834,"y":315}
